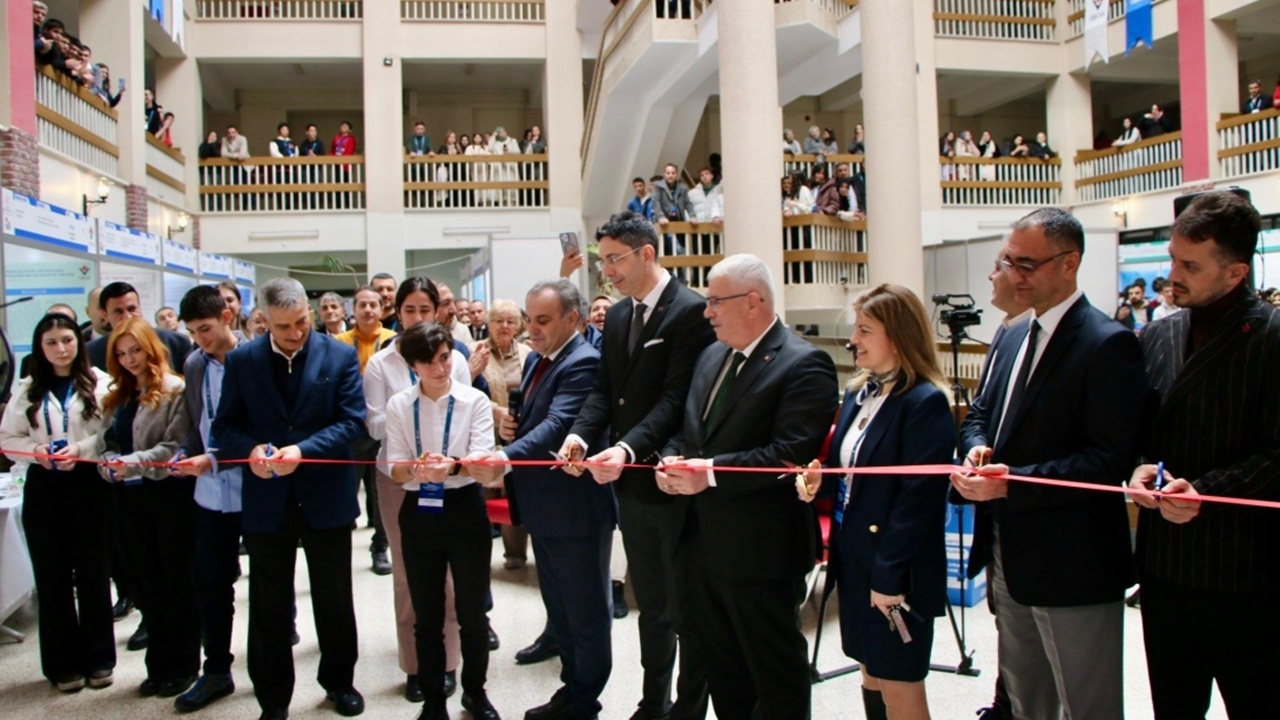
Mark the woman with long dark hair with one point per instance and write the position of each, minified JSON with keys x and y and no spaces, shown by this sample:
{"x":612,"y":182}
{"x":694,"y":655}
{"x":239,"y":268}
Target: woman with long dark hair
{"x":147,"y":420}
{"x":66,"y":510}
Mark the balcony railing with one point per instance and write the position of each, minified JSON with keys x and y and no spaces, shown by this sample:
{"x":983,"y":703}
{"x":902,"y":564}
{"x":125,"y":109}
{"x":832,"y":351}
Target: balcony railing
{"x":838,"y":8}
{"x":302,"y":184}
{"x":1001,"y":181}
{"x":1076,"y":19}
{"x":1144,"y":166}
{"x":972,"y":358}
{"x":805,"y":163}
{"x":691,"y":252}
{"x":995,"y":19}
{"x":452,"y":182}
{"x":476,"y":11}
{"x":75,"y":122}
{"x":165,"y":164}
{"x":1249,"y":144}
{"x":328,"y":10}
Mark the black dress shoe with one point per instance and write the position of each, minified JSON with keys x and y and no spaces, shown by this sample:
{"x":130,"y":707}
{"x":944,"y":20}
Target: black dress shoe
{"x":174,"y":687}
{"x":148,"y":688}
{"x":542,"y":649}
{"x":434,"y":712}
{"x":644,"y":713}
{"x":276,"y":714}
{"x":479,"y":707}
{"x":412,"y":690}
{"x":450,"y":683}
{"x":554,"y":709}
{"x":619,"y":600}
{"x":493,"y":640}
{"x":138,"y":640}
{"x":381,"y":564}
{"x":122,"y":608}
{"x":348,"y":703}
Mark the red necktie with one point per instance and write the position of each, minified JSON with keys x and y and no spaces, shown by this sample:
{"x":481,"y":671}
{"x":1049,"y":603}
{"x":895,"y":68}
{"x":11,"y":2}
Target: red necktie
{"x":538,"y":372}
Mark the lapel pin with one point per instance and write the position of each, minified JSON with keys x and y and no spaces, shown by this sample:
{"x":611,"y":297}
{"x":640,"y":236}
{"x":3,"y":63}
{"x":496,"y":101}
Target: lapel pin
{"x":767,"y":358}
{"x":1245,"y":328}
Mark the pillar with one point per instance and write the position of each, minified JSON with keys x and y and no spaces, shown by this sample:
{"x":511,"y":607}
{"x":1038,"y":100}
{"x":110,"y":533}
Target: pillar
{"x":1206,"y":48}
{"x":892,"y":120}
{"x":1069,"y":113}
{"x":113,"y":28}
{"x":178,"y":81}
{"x":19,"y":146}
{"x":562,"y":104}
{"x":383,"y":142}
{"x":749,"y":113}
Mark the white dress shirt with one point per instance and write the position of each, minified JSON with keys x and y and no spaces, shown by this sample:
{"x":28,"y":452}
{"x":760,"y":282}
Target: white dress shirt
{"x":1049,"y":322}
{"x":386,"y":374}
{"x":470,"y":428}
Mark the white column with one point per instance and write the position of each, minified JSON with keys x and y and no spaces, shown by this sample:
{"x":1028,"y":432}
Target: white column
{"x":178,"y":81}
{"x":751,"y":118}
{"x":383,"y":141}
{"x":113,"y":28}
{"x":1069,"y":111}
{"x":895,"y":184}
{"x":563,"y":112}
{"x":1222,"y":63}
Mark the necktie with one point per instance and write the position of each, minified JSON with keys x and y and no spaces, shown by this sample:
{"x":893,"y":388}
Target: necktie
{"x":637,"y":327}
{"x":538,"y":372}
{"x":722,"y":393}
{"x":1024,"y":374}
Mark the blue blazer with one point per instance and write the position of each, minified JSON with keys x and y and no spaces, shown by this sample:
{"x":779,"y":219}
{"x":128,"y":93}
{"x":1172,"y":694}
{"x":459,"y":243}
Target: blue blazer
{"x":327,"y":419}
{"x":891,"y":540}
{"x":548,"y":501}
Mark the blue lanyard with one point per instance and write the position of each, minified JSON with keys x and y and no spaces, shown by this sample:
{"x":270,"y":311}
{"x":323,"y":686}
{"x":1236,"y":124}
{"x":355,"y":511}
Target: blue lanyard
{"x":417,"y":426}
{"x":66,"y":402}
{"x":208,"y":395}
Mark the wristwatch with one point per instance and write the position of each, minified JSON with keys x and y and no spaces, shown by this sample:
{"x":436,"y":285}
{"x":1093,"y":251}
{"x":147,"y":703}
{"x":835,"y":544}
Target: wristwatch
{"x":457,"y":466}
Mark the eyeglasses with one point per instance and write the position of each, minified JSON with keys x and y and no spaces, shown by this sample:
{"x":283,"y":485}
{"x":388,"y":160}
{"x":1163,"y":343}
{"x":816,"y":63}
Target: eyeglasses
{"x":1028,"y":267}
{"x":611,"y":260}
{"x":715,"y":302}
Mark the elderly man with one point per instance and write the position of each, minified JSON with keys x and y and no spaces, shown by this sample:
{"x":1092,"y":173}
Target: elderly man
{"x":290,"y":396}
{"x":761,"y":397}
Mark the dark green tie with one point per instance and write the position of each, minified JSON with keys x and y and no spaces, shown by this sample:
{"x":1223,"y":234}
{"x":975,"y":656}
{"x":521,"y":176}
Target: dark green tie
{"x":722,"y":394}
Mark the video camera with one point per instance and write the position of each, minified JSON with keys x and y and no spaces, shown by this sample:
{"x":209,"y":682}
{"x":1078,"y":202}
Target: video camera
{"x":959,"y":311}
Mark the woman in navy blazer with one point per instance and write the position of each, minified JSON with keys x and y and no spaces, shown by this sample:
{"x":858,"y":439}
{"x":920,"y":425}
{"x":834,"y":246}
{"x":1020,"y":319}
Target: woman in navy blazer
{"x":887,"y":545}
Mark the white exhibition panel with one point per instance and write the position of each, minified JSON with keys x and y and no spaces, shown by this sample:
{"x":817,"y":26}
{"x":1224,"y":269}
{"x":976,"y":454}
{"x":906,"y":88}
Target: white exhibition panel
{"x":518,"y":262}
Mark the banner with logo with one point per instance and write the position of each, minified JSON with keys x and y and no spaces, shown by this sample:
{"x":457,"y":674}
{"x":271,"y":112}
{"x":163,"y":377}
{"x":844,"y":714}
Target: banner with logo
{"x":1137,"y":25}
{"x":1095,"y":31}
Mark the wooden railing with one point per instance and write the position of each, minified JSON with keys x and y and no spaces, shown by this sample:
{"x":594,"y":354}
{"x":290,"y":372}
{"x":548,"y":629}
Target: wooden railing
{"x":476,"y":11}
{"x":995,"y":19}
{"x":1144,"y":166}
{"x":165,"y":164}
{"x":823,"y":250}
{"x":1076,"y":19}
{"x":690,"y":252}
{"x":327,"y":10}
{"x":75,"y":122}
{"x":1001,"y":181}
{"x":301,"y":184}
{"x":972,"y":357}
{"x":451,"y":182}
{"x":805,"y":163}
{"x":838,"y":8}
{"x":1249,"y":144}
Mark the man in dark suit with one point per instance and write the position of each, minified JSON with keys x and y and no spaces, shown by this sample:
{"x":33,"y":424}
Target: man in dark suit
{"x":759,"y":397}
{"x":570,"y":518}
{"x":119,"y":302}
{"x":1065,"y":392}
{"x":650,"y":347}
{"x":1256,"y":102}
{"x":1210,"y":577}
{"x":293,"y":395}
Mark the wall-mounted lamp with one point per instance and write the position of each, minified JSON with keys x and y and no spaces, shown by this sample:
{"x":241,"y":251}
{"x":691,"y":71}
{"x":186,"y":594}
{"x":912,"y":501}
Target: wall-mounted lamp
{"x":104,"y":189}
{"x":387,"y":61}
{"x":183,"y":220}
{"x":1119,"y":210}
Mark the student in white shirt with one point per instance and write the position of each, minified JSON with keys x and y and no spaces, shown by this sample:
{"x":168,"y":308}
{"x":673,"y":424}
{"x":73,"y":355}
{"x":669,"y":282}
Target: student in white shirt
{"x":432,"y":428}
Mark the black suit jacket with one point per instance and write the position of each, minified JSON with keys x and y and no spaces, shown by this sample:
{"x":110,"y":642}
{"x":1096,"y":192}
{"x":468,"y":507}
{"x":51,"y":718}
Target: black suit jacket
{"x":1080,"y":418}
{"x":179,"y":348}
{"x":1217,"y":424}
{"x":751,"y":526}
{"x":639,"y":398}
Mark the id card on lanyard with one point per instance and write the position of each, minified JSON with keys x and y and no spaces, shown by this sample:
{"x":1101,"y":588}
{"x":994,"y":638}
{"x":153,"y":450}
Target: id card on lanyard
{"x":56,"y":445}
{"x":431,"y":495}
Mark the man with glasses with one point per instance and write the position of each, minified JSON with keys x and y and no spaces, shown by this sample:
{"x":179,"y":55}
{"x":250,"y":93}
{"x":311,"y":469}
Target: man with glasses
{"x":760,"y":397}
{"x":650,"y":346}
{"x":1064,"y":392}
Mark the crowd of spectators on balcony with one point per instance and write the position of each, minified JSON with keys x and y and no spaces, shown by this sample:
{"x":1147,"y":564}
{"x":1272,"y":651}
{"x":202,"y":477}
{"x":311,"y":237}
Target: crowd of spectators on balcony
{"x":498,"y":142}
{"x":842,"y":196}
{"x":1256,"y":101}
{"x":951,"y":146}
{"x":69,"y":56}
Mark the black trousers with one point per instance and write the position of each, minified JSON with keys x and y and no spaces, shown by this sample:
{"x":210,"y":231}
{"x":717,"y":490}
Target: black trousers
{"x":456,"y":540}
{"x":158,"y":519}
{"x":367,"y":449}
{"x":649,"y":535}
{"x":573,"y":575}
{"x":69,"y":518}
{"x":1195,"y":637}
{"x":747,"y":636}
{"x":218,"y":564}
{"x":272,"y":557}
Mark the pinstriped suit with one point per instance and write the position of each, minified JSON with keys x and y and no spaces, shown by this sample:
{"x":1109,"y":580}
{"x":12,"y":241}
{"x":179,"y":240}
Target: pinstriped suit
{"x":1218,"y":426}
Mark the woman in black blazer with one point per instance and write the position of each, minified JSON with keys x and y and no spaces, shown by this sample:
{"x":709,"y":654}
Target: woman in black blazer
{"x":887,"y":545}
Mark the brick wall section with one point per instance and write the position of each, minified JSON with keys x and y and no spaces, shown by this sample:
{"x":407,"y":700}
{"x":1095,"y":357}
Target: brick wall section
{"x":194,"y":229}
{"x":20,"y":162}
{"x":136,"y":207}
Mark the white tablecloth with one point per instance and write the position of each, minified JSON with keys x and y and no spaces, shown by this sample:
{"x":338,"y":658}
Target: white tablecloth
{"x":17,"y":583}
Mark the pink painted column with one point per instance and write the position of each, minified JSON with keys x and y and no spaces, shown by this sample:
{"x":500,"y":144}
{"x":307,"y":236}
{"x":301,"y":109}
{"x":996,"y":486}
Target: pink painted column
{"x":1193,"y":71}
{"x":20,"y":110}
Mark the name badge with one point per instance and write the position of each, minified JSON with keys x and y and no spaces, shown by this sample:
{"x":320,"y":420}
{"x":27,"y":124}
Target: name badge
{"x":431,"y":497}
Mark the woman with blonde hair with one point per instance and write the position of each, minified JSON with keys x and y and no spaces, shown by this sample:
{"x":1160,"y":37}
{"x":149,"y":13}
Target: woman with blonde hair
{"x":887,"y":545}
{"x":145,"y":421}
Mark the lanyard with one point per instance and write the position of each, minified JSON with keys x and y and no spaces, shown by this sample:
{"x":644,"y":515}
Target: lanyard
{"x":208,"y":396}
{"x":417,"y":426}
{"x":66,"y":402}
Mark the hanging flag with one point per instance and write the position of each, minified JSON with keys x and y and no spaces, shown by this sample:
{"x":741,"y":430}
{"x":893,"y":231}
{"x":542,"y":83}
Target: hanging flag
{"x":1137,"y":25}
{"x":1095,"y":31}
{"x":179,"y":29}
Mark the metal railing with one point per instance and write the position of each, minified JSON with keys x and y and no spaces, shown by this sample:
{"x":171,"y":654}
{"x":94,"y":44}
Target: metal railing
{"x":823,"y":250}
{"x":328,"y":10}
{"x":302,"y":184}
{"x":1075,"y":20}
{"x":452,"y":182}
{"x":478,"y":11}
{"x":1144,"y":166}
{"x":805,"y":163}
{"x":75,"y":122}
{"x":995,"y":19}
{"x":1249,"y":144}
{"x":1001,"y":181}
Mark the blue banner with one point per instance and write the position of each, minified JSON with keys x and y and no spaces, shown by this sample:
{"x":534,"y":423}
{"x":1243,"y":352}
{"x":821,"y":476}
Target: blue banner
{"x":157,"y":11}
{"x":1137,"y":25}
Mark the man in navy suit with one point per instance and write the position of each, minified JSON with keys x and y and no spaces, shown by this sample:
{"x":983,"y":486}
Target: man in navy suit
{"x":570,"y":518}
{"x":289,"y":396}
{"x":1065,"y":391}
